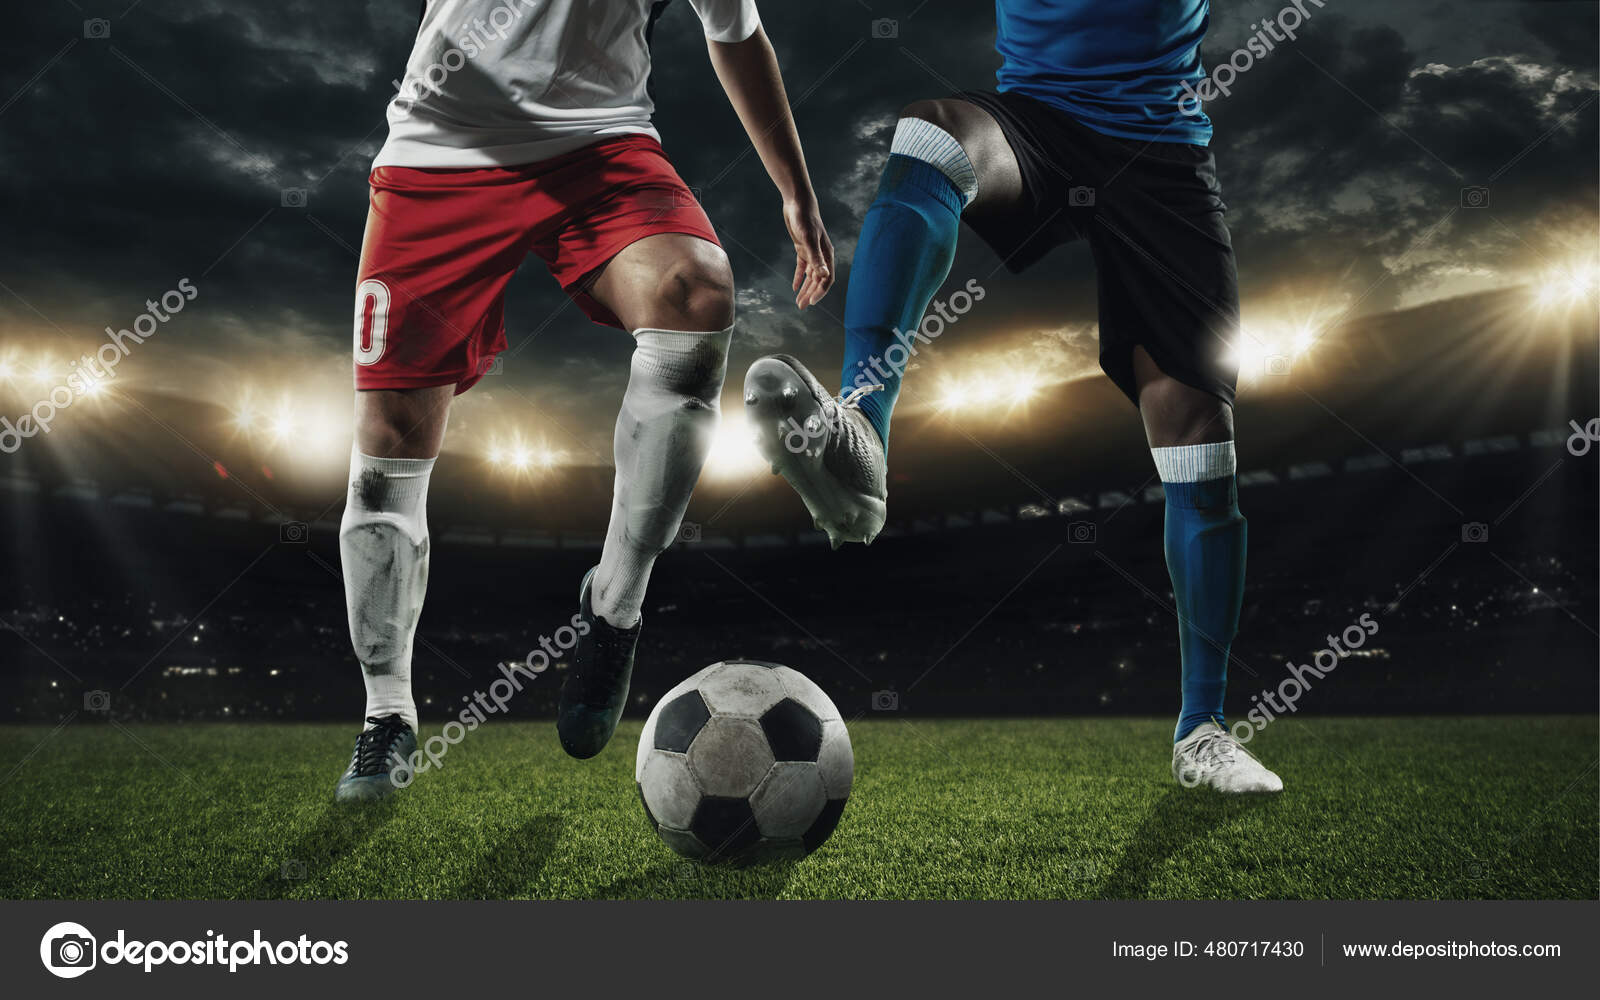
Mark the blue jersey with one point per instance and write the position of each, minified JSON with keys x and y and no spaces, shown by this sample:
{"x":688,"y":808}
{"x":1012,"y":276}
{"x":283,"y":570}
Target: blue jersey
{"x":1117,"y":66}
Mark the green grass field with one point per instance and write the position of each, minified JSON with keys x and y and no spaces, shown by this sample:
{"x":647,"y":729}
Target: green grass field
{"x":1068,"y":808}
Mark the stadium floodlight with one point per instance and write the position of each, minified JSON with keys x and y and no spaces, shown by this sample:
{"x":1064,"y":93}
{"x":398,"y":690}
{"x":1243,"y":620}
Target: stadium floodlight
{"x":1249,"y":352}
{"x":733,"y":449}
{"x":282,"y":425}
{"x":1304,"y":338}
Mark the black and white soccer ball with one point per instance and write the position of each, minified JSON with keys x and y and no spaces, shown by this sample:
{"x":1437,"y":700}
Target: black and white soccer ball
{"x":744,"y":762}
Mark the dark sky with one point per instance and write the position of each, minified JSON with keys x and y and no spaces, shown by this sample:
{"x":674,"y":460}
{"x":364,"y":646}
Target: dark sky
{"x":161,"y":152}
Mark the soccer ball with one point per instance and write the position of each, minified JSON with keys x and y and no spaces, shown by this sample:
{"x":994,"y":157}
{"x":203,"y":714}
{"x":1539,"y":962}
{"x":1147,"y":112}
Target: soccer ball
{"x":744,"y":762}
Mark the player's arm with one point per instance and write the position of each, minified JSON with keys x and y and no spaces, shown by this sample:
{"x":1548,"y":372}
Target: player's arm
{"x":749,"y":73}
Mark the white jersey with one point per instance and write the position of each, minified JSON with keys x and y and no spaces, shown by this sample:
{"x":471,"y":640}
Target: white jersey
{"x":504,"y":82}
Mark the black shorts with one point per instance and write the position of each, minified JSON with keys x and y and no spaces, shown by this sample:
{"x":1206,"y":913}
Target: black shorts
{"x":1152,"y":214}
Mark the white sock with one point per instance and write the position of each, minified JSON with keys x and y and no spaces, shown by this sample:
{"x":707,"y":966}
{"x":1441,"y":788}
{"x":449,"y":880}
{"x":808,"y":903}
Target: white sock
{"x":383,"y":544}
{"x":1195,"y":463}
{"x":664,"y":431}
{"x":925,"y":141}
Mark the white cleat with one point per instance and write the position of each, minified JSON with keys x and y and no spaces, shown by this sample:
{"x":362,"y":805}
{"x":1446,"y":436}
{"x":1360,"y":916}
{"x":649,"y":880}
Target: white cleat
{"x":823,"y":446}
{"x":1210,"y":757}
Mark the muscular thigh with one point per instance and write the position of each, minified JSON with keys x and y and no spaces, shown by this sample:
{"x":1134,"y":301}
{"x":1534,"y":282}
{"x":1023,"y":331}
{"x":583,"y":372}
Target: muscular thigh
{"x":999,"y":176}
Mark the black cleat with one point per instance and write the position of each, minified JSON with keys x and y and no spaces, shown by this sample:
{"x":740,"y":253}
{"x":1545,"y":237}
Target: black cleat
{"x":383,"y":748}
{"x":596,"y":691}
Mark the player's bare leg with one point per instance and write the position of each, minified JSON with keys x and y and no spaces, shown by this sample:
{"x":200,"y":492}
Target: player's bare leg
{"x":1191,"y":436}
{"x":383,"y":547}
{"x":675,"y":293}
{"x":949,"y":158}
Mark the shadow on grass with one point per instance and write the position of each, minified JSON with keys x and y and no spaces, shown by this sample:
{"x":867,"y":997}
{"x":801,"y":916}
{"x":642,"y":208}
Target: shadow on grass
{"x":511,"y":864}
{"x":682,"y":879}
{"x":1178,"y":819}
{"x":338,"y":831}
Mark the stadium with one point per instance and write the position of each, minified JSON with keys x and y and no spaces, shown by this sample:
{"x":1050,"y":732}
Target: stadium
{"x":177,"y":635}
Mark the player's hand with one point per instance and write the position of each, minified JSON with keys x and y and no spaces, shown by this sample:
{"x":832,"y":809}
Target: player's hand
{"x":813,"y":251}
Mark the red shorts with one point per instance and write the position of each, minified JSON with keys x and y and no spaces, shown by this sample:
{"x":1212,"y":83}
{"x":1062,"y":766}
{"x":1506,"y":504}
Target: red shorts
{"x":441,"y":245}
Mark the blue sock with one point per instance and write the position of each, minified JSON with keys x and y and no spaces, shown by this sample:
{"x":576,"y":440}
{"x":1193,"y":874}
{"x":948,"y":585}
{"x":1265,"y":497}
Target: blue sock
{"x":907,"y":244}
{"x":1205,"y":545}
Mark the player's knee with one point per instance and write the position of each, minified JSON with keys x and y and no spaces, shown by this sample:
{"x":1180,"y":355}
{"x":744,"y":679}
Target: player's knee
{"x":402,"y":423}
{"x":698,"y":292}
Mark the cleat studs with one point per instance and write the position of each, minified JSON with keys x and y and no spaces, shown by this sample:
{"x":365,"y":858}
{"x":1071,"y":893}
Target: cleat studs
{"x":789,"y":393}
{"x":750,"y":398}
{"x":813,"y":424}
